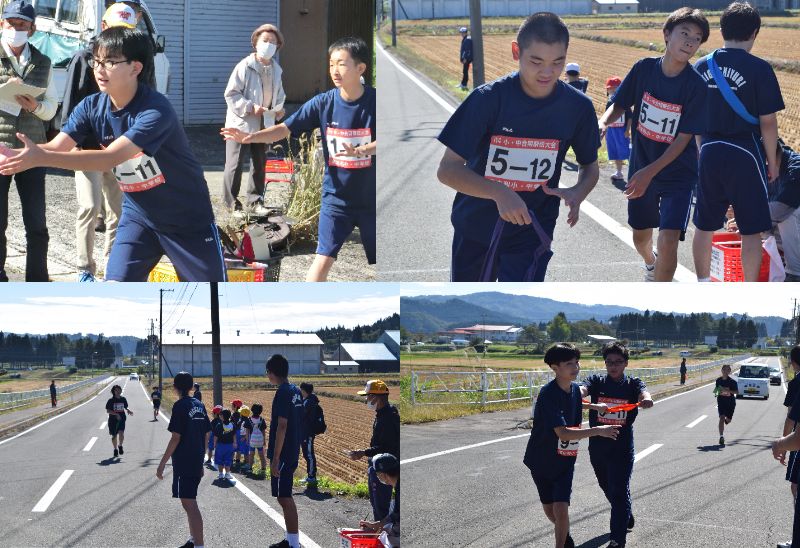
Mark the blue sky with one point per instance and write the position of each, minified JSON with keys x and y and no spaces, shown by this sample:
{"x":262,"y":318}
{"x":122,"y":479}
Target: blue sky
{"x":125,"y":308}
{"x":755,"y":299}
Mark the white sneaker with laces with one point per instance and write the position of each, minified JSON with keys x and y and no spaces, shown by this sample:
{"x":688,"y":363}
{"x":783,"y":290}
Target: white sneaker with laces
{"x":258,"y":210}
{"x":220,"y":476}
{"x":650,"y":270}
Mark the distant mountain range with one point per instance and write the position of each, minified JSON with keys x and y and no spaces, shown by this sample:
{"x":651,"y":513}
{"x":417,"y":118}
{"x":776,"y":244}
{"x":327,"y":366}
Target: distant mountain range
{"x":432,"y":313}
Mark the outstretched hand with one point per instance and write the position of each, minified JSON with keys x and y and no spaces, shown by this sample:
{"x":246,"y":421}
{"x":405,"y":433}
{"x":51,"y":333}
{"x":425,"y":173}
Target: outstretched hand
{"x":233,"y":134}
{"x":571,"y":197}
{"x":15,"y":160}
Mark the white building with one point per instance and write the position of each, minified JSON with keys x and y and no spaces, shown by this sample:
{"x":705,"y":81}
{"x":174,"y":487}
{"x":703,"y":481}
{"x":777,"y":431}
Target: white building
{"x":243,"y":355}
{"x":505,"y":333}
{"x":392,"y":341}
{"x":615,"y":6}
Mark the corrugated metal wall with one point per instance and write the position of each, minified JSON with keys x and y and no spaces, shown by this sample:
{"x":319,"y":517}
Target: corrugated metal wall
{"x":168,"y":16}
{"x":352,"y":18}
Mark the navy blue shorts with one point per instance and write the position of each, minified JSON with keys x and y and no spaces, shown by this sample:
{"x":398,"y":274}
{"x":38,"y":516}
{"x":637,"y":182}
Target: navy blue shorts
{"x":726,"y":406}
{"x":732,"y":173}
{"x":665,"y":205}
{"x":282,"y":485}
{"x":335,"y":226}
{"x":515,"y":254}
{"x":223,"y":456}
{"x":793,"y":468}
{"x":618,"y":146}
{"x":196,"y":255}
{"x":558,"y":489}
{"x":185,"y":487}
{"x":115,"y":425}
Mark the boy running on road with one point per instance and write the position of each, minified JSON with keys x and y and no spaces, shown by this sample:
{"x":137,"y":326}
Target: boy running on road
{"x":667,"y":96}
{"x":116,"y":407}
{"x":505,"y":142}
{"x":155,"y":395}
{"x":726,"y":389}
{"x":554,"y":443}
{"x":612,"y":460}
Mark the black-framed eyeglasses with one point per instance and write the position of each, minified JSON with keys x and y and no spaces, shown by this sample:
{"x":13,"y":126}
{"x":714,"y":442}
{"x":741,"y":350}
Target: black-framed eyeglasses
{"x":615,"y":362}
{"x":107,"y":64}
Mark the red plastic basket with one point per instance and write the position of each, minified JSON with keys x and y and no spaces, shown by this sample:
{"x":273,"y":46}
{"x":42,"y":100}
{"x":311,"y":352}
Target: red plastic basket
{"x":279,"y":170}
{"x":726,"y":259}
{"x":356,"y":538}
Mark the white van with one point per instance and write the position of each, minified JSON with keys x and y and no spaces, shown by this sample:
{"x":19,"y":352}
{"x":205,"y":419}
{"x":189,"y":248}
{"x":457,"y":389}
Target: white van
{"x":63,"y":27}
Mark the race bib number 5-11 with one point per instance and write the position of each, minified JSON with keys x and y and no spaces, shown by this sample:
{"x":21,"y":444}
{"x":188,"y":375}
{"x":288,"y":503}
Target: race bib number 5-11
{"x":658,"y":120}
{"x":612,"y":418}
{"x":335,"y":140}
{"x":139,"y":173}
{"x":521,"y":164}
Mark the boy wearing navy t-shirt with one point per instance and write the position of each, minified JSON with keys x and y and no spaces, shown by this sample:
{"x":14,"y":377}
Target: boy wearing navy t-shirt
{"x":667,"y":97}
{"x":284,"y":445}
{"x":612,"y":460}
{"x":726,"y":389}
{"x":166,"y":209}
{"x":505,"y":142}
{"x":732,"y":157}
{"x":190,"y":429}
{"x":790,"y":425}
{"x":790,"y":442}
{"x":553,"y":446}
{"x":346,"y":118}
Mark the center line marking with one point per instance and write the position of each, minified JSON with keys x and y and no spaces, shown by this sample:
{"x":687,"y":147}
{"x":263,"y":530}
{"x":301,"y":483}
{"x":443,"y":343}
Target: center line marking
{"x":103,"y":425}
{"x":647,"y":451}
{"x":696,"y":421}
{"x":89,"y":445}
{"x":48,"y":497}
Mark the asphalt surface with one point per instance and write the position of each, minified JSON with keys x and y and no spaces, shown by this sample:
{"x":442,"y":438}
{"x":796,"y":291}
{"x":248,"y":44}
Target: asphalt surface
{"x":414,"y":230}
{"x":688,"y":492}
{"x":120,"y":502}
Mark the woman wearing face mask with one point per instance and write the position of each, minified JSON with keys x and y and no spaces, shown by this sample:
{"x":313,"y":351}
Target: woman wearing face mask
{"x":255,"y":100}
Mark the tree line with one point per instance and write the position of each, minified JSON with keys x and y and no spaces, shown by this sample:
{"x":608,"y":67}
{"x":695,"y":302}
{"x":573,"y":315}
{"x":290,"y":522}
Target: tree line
{"x":52,"y":348}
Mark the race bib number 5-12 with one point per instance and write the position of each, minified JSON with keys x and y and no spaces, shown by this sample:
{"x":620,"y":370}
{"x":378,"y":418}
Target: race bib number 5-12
{"x":336,"y":138}
{"x":139,"y":173}
{"x":521,"y":164}
{"x":658,"y":120}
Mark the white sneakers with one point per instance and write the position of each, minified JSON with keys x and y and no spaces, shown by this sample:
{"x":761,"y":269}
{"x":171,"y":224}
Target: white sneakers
{"x":650,"y":270}
{"x":229,"y":477}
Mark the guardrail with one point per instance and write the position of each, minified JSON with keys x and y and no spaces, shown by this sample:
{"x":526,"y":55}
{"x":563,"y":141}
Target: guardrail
{"x":10,"y":400}
{"x":487,"y":387}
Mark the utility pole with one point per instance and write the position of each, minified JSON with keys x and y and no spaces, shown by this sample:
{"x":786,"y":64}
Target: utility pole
{"x":216,"y":357}
{"x":161,"y":337}
{"x":478,"y":77}
{"x":394,"y":23}
{"x":192,"y":355}
{"x":152,"y":350}
{"x":796,"y":324}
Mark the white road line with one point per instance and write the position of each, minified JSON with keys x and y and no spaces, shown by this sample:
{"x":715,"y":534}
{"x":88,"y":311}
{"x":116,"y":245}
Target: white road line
{"x":625,"y":234}
{"x":696,"y":421}
{"x":273,"y":514}
{"x":48,"y":497}
{"x":103,"y":425}
{"x":642,"y":454}
{"x":32,"y":428}
{"x":447,"y":452}
{"x":90,"y":444}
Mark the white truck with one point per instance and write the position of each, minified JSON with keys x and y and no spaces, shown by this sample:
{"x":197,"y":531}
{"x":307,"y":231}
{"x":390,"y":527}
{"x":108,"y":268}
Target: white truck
{"x":63,"y":27}
{"x":753,"y":380}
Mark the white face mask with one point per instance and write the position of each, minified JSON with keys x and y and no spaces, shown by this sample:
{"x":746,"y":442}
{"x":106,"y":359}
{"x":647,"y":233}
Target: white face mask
{"x":371,"y":406}
{"x":15,"y":38}
{"x":266,"y":50}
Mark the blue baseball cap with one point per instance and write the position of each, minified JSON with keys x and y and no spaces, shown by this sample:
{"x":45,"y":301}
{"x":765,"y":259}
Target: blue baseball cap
{"x":20,"y":9}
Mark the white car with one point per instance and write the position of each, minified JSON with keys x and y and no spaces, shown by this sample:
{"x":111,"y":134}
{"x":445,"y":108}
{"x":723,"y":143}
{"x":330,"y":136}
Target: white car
{"x":134,"y":376}
{"x":775,"y":375}
{"x":753,"y":380}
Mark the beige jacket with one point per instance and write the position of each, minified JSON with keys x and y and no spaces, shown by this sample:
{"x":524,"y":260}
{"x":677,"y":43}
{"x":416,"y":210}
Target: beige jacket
{"x":245,"y":90}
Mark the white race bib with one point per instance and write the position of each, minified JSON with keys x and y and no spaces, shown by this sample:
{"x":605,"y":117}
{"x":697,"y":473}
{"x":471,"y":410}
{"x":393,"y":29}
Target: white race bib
{"x":139,"y":173}
{"x":521,"y":164}
{"x":612,"y":418}
{"x":119,"y":407}
{"x":336,"y":138}
{"x":619,"y":123}
{"x":568,"y":448}
{"x":658,"y":120}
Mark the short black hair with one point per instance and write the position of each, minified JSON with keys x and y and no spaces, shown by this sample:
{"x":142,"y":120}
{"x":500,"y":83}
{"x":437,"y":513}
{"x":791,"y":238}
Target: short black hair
{"x":560,"y":353}
{"x":131,"y":44}
{"x":355,"y":46}
{"x":257,"y":409}
{"x":114,"y":388}
{"x":688,"y":15}
{"x":724,"y":365}
{"x":794,"y":354}
{"x":615,"y":347}
{"x":183,"y":382}
{"x":307,"y":387}
{"x":545,"y":27}
{"x":196,"y":385}
{"x":278,"y":366}
{"x":226,"y":415}
{"x":739,"y":21}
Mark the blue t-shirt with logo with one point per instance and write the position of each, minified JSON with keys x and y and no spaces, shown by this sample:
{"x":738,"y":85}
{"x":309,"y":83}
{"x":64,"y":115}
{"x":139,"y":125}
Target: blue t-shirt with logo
{"x":604,"y":389}
{"x":349,"y":182}
{"x":164,"y":186}
{"x":513,"y":139}
{"x":752,"y":80}
{"x":287,"y":403}
{"x":554,"y":407}
{"x":663,"y":107}
{"x":190,"y":420}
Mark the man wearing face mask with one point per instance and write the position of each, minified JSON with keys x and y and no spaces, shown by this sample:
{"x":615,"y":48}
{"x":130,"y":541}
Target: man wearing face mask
{"x":385,"y":439}
{"x":22,"y":62}
{"x":255,"y":100}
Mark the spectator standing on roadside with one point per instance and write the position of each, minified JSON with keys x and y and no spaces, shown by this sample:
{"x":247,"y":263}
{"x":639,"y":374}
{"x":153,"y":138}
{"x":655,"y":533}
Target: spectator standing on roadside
{"x":465,"y":56}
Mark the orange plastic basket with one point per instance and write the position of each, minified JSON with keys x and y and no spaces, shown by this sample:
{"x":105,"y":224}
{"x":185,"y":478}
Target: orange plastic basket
{"x":356,"y":538}
{"x":281,"y":165}
{"x":726,"y":259}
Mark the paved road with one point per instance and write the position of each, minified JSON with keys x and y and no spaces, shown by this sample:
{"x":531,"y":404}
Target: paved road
{"x":686,"y":492}
{"x":120,"y":502}
{"x":414,"y":230}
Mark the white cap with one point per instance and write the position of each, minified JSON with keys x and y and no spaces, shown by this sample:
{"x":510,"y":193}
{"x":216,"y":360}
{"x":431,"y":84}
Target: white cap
{"x":120,"y":15}
{"x":573,"y":67}
{"x":462,"y":29}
